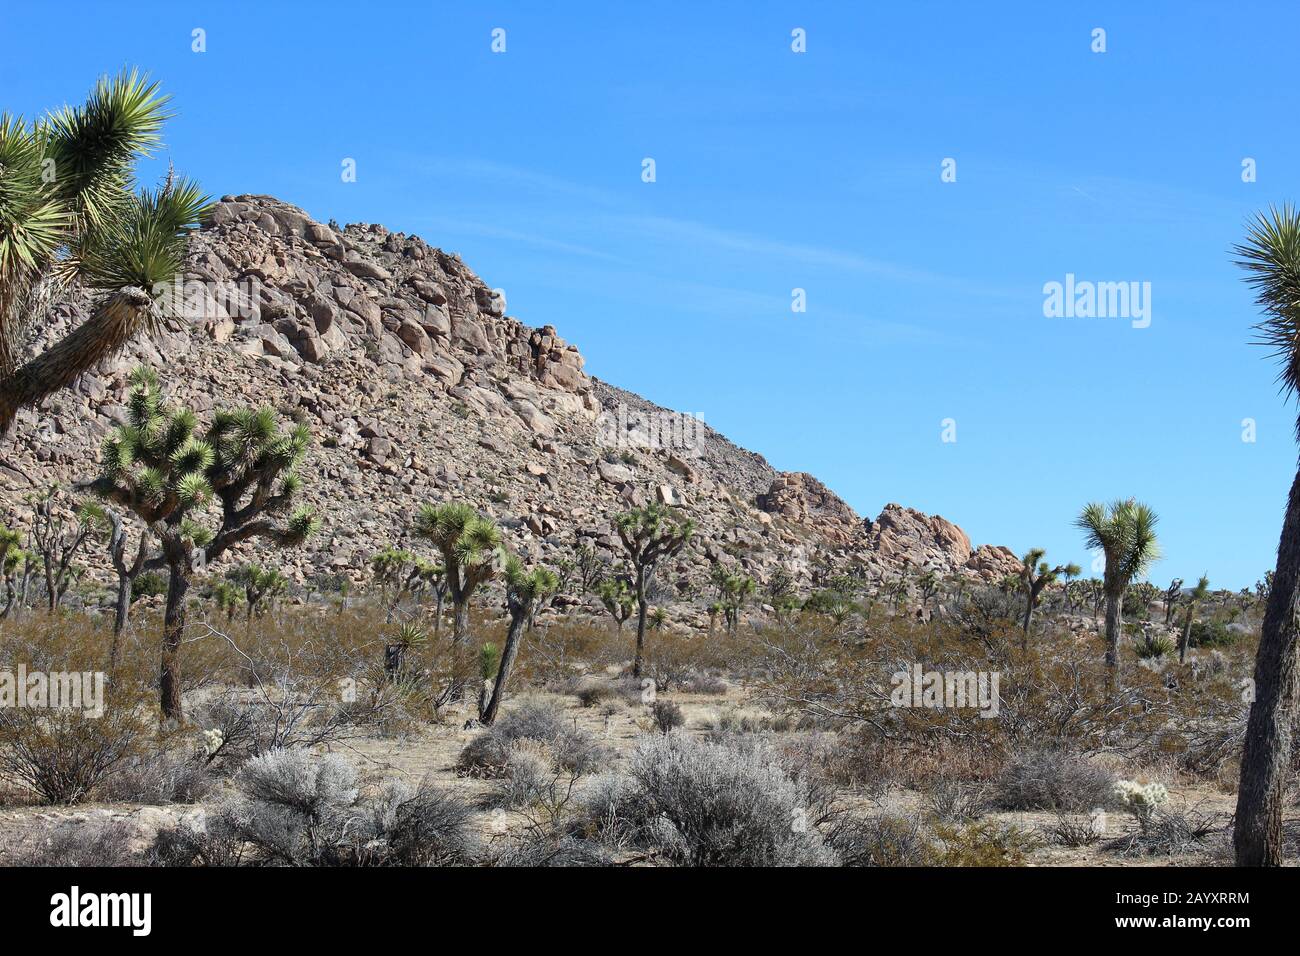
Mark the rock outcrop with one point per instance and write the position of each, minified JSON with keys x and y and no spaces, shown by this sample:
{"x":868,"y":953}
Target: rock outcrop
{"x":417,"y":386}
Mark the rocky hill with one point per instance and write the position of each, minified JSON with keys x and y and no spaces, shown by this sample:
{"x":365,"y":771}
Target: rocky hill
{"x":418,"y":388}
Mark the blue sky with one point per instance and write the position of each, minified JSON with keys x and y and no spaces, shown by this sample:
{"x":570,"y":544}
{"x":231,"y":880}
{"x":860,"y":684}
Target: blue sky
{"x":820,"y":171}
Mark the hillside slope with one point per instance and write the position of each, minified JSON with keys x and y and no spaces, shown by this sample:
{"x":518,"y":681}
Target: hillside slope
{"x":418,"y":388}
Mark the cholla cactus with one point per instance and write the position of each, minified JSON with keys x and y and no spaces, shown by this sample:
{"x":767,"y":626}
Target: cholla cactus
{"x":1140,"y":799}
{"x":523,"y":590}
{"x":213,"y":741}
{"x":169,"y":474}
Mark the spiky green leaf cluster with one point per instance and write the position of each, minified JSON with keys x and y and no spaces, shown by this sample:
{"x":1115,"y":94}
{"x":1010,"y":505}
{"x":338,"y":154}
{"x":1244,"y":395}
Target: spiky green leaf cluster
{"x":1125,"y":532}
{"x":524,"y":586}
{"x":69,"y":206}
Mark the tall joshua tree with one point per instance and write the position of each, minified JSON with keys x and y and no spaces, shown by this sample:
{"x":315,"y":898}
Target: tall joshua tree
{"x":1038,"y":574}
{"x":649,"y":535}
{"x":69,"y":212}
{"x":470,"y":546}
{"x":173,"y":477}
{"x":1199,"y":594}
{"x":523,"y":590}
{"x":1125,"y":532}
{"x":1271,"y":257}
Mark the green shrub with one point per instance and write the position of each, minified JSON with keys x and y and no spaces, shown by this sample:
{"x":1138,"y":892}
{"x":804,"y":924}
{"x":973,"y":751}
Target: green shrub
{"x":149,"y":584}
{"x":1212,"y":634}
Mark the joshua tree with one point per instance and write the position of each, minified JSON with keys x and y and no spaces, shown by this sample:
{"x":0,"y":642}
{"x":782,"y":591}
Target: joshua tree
{"x":489,"y":659}
{"x":390,"y":568}
{"x":409,"y":635}
{"x":57,"y":540}
{"x":523,"y":590}
{"x":1199,"y":594}
{"x":167,"y":473}
{"x":1271,"y":256}
{"x":619,"y":601}
{"x":470,"y":546}
{"x":16,"y":565}
{"x":735,"y":590}
{"x":1036,"y":574}
{"x":1172,"y":594}
{"x":126,"y":573}
{"x":649,"y":535}
{"x":228,"y":596}
{"x":1265,"y":587}
{"x":588,"y":567}
{"x":658,"y":618}
{"x":1125,"y":532}
{"x":928,"y":584}
{"x":258,"y":584}
{"x":68,"y":211}
{"x":715,"y":609}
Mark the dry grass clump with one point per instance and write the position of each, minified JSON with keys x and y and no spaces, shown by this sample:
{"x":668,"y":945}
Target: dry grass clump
{"x":1053,"y":779}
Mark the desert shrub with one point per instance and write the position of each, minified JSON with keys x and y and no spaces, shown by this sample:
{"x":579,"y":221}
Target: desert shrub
{"x":1169,"y":832}
{"x":1074,"y":830}
{"x":536,"y":782}
{"x":83,"y":845}
{"x":881,"y":840}
{"x":488,"y":754}
{"x":984,"y":612}
{"x":62,"y":754}
{"x":159,"y":777}
{"x":296,"y":809}
{"x":534,"y":849}
{"x":735,"y":720}
{"x":704,"y":683}
{"x":1212,"y":634}
{"x":1053,"y":779}
{"x":422,"y":826}
{"x":986,"y":843}
{"x":148,"y":584}
{"x":589,"y":695}
{"x":956,"y":801}
{"x":249,"y":723}
{"x":666,"y":716}
{"x":703,"y":804}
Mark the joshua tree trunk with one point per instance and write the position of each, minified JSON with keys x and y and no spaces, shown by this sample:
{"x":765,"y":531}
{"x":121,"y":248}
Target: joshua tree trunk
{"x":1114,"y":628}
{"x":459,"y":639}
{"x":508,"y":655}
{"x":178,"y":584}
{"x":1186,"y":639}
{"x":1257,"y":832}
{"x":111,"y":326}
{"x":126,"y":575}
{"x":641,"y":608}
